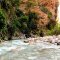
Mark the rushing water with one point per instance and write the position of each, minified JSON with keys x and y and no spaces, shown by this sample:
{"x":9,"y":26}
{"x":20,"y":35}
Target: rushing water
{"x":18,"y":50}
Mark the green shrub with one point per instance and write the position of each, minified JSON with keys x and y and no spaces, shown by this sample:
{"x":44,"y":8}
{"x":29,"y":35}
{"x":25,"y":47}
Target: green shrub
{"x":23,"y":19}
{"x":3,"y":28}
{"x":49,"y":15}
{"x":31,"y":3}
{"x":2,"y":20}
{"x":32,"y":15}
{"x":16,"y":24}
{"x":20,"y":23}
{"x":45,"y":10}
{"x":57,"y":29}
{"x":15,"y":2}
{"x":5,"y":5}
{"x":54,"y":31}
{"x":19,"y":13}
{"x":50,"y":25}
{"x":32,"y":25}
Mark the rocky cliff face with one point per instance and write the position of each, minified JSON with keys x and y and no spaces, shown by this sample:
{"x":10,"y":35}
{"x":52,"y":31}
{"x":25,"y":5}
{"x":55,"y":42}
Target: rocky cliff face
{"x":27,"y":16}
{"x":45,"y":9}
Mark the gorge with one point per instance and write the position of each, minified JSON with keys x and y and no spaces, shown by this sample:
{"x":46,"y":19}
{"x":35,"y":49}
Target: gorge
{"x":32,"y":48}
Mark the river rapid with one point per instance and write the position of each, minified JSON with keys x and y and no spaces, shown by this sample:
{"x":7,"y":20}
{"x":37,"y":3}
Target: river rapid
{"x":36,"y":49}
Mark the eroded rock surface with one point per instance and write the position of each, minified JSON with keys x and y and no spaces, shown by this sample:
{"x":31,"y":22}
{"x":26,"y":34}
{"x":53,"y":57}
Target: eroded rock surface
{"x":45,"y":9}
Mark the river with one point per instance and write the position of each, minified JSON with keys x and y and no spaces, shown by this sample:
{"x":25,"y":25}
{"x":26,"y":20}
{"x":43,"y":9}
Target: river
{"x":39,"y":50}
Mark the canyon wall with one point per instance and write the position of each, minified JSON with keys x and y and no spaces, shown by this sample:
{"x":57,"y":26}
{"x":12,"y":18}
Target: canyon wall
{"x":45,"y":9}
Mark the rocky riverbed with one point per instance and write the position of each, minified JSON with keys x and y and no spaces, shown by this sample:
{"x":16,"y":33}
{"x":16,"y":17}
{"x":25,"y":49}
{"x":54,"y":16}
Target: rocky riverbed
{"x":40,"y":48}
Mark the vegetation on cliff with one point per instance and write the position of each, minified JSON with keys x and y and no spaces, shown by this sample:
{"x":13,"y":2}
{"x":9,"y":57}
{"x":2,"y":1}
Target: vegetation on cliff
{"x":24,"y":17}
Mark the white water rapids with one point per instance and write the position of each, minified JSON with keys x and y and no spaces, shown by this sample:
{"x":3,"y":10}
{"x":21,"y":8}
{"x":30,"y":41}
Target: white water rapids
{"x":39,"y":50}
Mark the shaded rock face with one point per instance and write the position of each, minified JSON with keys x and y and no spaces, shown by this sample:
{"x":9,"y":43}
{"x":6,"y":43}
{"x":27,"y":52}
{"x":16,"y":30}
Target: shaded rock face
{"x":45,"y":9}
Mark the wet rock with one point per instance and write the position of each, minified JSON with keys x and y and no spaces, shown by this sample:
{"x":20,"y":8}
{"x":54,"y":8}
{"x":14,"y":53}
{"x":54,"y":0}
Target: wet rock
{"x":58,"y":37}
{"x":58,"y":43}
{"x":41,"y":33}
{"x":26,"y":41}
{"x":27,"y":35}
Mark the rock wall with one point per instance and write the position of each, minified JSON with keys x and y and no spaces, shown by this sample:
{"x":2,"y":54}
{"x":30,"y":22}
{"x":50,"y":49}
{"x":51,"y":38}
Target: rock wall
{"x":45,"y":9}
